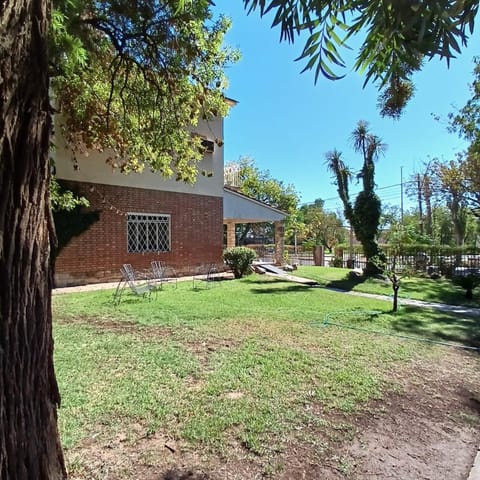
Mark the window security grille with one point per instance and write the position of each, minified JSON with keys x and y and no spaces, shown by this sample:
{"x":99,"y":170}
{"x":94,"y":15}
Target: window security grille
{"x":148,"y":233}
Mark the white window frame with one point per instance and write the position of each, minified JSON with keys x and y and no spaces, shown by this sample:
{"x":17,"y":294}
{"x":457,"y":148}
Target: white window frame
{"x":135,"y":241}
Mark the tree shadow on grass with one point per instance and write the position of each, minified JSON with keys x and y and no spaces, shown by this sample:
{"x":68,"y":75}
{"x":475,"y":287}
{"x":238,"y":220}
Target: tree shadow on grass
{"x":437,"y":326}
{"x":347,"y":284}
{"x":431,"y":326}
{"x":441,"y":293}
{"x":432,"y":291}
{"x":290,"y":289}
{"x":275,"y":285}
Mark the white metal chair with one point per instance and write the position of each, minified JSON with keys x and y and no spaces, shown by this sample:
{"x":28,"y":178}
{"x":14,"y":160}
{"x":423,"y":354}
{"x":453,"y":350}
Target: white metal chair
{"x":140,"y":284}
{"x":207,"y":274}
{"x":162,"y":273}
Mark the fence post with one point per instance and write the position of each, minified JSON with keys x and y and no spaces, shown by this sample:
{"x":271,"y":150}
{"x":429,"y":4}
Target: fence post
{"x":318,"y":257}
{"x":339,"y":254}
{"x":279,"y":242}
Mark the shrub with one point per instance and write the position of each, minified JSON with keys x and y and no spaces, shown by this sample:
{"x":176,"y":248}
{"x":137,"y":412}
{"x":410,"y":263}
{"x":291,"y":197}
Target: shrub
{"x":467,"y":282}
{"x":336,"y":262}
{"x":239,"y":260}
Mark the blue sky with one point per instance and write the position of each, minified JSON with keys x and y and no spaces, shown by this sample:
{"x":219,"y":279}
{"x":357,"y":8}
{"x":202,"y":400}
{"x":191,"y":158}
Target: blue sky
{"x":287,"y":123}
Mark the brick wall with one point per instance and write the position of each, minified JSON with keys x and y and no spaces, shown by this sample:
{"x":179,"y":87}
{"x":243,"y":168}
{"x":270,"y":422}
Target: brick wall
{"x":97,"y":254}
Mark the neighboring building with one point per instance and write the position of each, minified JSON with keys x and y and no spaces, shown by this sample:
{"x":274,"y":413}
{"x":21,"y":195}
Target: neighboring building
{"x":145,"y":217}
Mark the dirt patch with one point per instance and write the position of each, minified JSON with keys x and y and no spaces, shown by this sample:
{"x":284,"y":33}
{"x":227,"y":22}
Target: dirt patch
{"x":120,"y":327}
{"x":428,"y":428}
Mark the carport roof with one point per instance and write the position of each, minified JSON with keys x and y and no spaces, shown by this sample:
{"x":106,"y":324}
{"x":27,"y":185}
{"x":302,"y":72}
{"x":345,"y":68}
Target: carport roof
{"x":239,"y":208}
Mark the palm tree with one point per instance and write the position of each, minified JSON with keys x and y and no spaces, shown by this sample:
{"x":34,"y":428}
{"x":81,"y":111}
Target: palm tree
{"x":371,"y":147}
{"x":343,"y":176}
{"x":364,"y":215}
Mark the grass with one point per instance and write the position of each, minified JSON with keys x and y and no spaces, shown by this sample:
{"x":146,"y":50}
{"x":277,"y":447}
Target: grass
{"x":418,"y":288}
{"x":246,"y":363}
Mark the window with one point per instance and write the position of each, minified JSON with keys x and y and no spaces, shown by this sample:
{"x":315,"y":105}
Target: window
{"x":148,"y":232}
{"x":208,"y":145}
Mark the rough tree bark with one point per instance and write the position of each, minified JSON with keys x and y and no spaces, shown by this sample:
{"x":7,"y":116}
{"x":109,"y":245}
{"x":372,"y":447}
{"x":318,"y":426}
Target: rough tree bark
{"x":29,"y":442}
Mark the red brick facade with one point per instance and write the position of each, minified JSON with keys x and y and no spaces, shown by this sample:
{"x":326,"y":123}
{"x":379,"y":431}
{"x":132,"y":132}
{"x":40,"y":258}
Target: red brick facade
{"x":96,"y":255}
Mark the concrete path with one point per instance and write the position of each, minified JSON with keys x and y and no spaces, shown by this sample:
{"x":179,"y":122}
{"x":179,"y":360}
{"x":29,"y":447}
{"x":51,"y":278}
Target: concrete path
{"x":113,"y":285}
{"x":458,"y":309}
{"x":475,"y":471}
{"x":85,"y":288}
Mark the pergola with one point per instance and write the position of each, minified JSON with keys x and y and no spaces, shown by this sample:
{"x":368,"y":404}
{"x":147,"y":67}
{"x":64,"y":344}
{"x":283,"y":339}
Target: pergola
{"x":238,"y":208}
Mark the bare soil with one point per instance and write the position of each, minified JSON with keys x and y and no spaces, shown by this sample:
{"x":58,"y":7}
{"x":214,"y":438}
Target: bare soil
{"x":428,"y":428}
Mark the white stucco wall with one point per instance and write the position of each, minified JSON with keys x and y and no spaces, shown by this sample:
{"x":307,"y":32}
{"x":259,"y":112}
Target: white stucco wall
{"x":93,"y":168}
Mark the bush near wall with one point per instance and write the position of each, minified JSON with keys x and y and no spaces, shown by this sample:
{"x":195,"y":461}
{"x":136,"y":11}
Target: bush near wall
{"x":239,"y":259}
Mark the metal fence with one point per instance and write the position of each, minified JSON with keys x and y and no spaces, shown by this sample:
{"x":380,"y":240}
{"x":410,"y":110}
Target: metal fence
{"x":298,"y":256}
{"x":443,"y":260}
{"x":301,"y":258}
{"x":412,"y":257}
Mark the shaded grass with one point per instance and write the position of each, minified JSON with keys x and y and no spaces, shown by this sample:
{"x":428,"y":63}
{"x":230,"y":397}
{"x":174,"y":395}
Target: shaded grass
{"x":244,"y":363}
{"x":418,"y":288}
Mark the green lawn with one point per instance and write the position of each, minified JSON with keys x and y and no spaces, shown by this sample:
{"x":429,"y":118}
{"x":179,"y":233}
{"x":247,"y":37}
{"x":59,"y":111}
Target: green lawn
{"x":418,"y":288}
{"x":246,"y":362}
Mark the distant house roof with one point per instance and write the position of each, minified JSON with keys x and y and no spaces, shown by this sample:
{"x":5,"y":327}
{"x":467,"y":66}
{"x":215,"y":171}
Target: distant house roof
{"x":240,"y":208}
{"x":231,"y":102}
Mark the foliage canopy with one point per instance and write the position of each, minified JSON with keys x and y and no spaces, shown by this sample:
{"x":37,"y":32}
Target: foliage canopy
{"x":260,"y":185}
{"x":397,"y":37}
{"x":133,"y":78}
{"x":466,"y":121}
{"x":320,"y":227}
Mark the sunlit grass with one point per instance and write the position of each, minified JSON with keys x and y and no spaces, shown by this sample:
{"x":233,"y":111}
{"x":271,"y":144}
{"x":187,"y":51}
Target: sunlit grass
{"x":418,"y":288}
{"x":245,"y":362}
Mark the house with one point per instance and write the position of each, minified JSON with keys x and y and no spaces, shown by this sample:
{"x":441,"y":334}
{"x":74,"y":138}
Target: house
{"x":140,"y":217}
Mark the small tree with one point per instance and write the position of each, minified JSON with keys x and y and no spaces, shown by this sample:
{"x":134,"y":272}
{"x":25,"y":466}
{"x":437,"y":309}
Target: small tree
{"x":239,"y":259}
{"x":321,"y":227}
{"x":467,"y":282}
{"x":449,"y":186}
{"x":395,"y":279}
{"x":398,"y":236}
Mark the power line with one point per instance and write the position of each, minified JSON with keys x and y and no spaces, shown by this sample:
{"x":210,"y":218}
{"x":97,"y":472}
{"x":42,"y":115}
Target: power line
{"x":395,"y":185}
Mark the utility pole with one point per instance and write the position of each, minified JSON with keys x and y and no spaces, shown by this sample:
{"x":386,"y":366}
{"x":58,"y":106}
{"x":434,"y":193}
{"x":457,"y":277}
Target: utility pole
{"x":401,"y":193}
{"x":420,"y":207}
{"x":352,"y":264}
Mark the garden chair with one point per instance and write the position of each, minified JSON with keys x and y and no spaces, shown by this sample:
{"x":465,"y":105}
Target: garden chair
{"x":161,"y":273}
{"x":138,"y":283}
{"x":208,"y":274}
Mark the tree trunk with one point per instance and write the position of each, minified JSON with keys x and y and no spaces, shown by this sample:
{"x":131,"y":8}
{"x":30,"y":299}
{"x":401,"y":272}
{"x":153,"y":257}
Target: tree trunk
{"x":426,"y":187}
{"x":428,"y":216}
{"x":29,"y":442}
{"x":459,"y":224}
{"x":245,"y":230}
{"x":395,"y":287}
